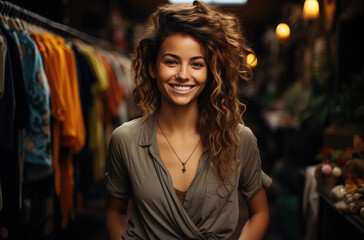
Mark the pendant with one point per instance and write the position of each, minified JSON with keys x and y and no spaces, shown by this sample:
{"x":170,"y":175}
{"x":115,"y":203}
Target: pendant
{"x":184,"y":168}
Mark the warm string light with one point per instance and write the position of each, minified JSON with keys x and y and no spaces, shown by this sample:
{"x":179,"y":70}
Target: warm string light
{"x":283,"y":32}
{"x":311,"y":10}
{"x":252,"y":60}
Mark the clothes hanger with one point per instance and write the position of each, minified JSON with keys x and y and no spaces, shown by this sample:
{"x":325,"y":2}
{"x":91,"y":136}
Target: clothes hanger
{"x":34,"y":25}
{"x":1,"y":13}
{"x":3,"y":19}
{"x":29,"y":22}
{"x":18,"y":19}
{"x":13,"y":24}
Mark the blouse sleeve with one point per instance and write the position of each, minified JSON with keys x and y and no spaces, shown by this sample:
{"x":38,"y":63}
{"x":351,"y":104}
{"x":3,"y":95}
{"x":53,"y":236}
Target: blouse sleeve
{"x":252,"y":178}
{"x":116,"y":179}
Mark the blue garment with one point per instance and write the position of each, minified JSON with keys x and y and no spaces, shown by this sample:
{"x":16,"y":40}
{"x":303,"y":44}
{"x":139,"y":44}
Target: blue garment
{"x":36,"y":139}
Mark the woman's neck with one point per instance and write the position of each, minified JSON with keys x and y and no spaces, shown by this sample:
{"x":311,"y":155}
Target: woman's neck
{"x":178,"y":119}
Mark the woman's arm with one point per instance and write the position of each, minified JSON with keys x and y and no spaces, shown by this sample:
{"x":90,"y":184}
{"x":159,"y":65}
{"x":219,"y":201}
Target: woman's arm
{"x":116,"y":217}
{"x":257,"y":224}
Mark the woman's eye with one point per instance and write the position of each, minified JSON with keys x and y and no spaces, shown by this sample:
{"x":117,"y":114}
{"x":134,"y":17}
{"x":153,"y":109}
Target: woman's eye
{"x":170,"y":62}
{"x":197,"y":64}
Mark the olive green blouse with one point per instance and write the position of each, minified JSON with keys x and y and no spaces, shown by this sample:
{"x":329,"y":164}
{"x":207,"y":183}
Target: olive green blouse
{"x":135,"y":170}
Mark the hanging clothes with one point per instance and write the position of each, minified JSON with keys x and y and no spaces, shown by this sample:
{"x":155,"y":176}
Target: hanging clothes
{"x":96,"y":134}
{"x":122,"y":82}
{"x":16,"y":104}
{"x":3,"y":50}
{"x":68,"y":125}
{"x":113,"y":95}
{"x":83,"y":166}
{"x":57,"y":97}
{"x":51,"y":65}
{"x":7,"y":112}
{"x":21,"y":118}
{"x":14,"y":108}
{"x":36,"y":137}
{"x":129,"y":109}
{"x":7,"y":103}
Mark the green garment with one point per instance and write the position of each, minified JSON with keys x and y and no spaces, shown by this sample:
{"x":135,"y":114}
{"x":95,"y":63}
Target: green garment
{"x":134,"y":169}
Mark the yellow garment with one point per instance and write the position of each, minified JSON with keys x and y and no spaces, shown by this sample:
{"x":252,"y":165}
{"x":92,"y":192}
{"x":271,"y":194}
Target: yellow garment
{"x":100,"y":71}
{"x":96,"y":132}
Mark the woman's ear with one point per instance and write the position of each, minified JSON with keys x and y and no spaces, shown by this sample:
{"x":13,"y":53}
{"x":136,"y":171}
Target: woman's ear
{"x":152,"y":70}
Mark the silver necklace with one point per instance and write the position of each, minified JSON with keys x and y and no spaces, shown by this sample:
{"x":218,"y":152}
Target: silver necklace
{"x":183,"y":163}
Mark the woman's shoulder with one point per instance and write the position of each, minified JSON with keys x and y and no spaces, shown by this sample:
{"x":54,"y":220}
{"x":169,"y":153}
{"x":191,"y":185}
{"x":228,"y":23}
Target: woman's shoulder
{"x":245,"y":133}
{"x":247,"y":137}
{"x":128,"y":130}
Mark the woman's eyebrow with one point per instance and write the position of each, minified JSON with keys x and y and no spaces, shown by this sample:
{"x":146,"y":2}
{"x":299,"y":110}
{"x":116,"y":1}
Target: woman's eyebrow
{"x":178,"y":57}
{"x":197,"y":57}
{"x":170,"y":55}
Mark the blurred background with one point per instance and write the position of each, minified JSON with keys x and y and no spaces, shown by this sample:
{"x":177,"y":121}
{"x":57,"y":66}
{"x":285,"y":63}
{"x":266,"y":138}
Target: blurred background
{"x":305,"y":100}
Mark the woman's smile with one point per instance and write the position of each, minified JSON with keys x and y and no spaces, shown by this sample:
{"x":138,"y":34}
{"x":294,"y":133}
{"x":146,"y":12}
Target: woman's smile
{"x":181,"y":89}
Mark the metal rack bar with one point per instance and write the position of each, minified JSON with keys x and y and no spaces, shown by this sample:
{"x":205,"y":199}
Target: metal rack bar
{"x":14,"y":11}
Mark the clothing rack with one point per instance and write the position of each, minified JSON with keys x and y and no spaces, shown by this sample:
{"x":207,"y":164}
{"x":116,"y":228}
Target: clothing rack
{"x":14,"y":11}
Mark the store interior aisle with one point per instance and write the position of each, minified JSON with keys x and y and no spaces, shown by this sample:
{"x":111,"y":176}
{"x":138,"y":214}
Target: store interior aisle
{"x":90,"y":220}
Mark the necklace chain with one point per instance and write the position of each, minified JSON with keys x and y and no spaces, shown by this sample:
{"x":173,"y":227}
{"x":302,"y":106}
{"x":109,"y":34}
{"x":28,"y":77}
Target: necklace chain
{"x":183,"y":163}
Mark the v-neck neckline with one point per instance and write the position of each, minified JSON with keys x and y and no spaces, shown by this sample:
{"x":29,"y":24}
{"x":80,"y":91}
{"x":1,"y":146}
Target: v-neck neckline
{"x":159,"y":159}
{"x":154,"y":145}
{"x":148,"y":138}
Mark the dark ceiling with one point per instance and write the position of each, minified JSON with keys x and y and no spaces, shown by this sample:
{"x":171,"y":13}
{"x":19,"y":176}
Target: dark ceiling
{"x":255,"y":16}
{"x":255,"y":12}
{"x":91,"y":16}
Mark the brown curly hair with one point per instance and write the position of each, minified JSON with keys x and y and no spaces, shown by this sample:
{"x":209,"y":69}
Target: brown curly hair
{"x":226,"y":51}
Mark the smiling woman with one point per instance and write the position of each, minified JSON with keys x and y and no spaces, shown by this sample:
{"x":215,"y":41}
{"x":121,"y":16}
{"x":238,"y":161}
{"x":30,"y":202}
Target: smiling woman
{"x":185,"y":162}
{"x":180,"y":70}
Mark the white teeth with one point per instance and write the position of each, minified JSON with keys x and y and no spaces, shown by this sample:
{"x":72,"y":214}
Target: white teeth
{"x":182,"y":88}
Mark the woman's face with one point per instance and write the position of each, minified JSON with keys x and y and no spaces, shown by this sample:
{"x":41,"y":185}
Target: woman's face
{"x":180,"y":69}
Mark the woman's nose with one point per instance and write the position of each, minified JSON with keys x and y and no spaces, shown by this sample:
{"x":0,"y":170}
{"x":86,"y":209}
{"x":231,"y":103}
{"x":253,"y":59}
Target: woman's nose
{"x":183,"y":74}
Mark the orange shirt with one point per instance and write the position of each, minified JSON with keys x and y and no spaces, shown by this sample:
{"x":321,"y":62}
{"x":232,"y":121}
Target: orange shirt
{"x":51,"y":64}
